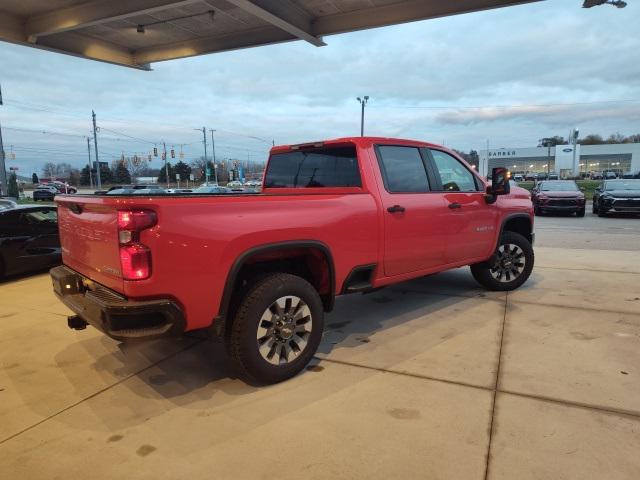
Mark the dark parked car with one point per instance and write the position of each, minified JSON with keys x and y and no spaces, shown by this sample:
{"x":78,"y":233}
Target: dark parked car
{"x":562,"y":196}
{"x":45,"y":193}
{"x":28,"y":239}
{"x":622,"y":195}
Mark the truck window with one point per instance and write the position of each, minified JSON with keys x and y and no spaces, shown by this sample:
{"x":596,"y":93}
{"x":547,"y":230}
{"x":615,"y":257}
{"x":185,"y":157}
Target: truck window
{"x":327,"y":167}
{"x":403,"y":170}
{"x":454,"y":176}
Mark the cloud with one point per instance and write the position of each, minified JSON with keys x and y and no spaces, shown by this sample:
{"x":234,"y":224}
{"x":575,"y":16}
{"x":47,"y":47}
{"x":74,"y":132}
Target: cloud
{"x":536,"y":54}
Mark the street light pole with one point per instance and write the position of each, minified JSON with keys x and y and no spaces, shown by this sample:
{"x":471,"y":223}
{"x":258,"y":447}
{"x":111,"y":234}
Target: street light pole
{"x":363,"y":102}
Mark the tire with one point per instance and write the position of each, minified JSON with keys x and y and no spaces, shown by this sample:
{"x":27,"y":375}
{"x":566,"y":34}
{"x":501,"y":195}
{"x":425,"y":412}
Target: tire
{"x":259,"y":349}
{"x":536,"y":211}
{"x":580,"y":213}
{"x":506,"y":275}
{"x":594,"y":207}
{"x":602,"y":213}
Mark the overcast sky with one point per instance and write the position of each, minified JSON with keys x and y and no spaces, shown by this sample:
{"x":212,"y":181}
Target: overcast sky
{"x":533,"y":56}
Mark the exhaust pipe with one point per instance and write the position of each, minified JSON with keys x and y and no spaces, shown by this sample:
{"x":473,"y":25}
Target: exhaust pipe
{"x":76,"y":323}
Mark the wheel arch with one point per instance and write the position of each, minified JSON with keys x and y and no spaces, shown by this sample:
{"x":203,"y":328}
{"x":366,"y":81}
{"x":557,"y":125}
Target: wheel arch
{"x":284,"y":257}
{"x":519,"y":223}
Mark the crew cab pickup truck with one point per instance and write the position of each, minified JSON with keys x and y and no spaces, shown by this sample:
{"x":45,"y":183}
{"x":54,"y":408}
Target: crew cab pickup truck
{"x":334,"y":217}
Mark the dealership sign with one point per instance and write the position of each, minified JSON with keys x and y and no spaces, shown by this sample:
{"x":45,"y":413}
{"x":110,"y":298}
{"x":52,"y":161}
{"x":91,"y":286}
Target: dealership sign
{"x":503,"y":153}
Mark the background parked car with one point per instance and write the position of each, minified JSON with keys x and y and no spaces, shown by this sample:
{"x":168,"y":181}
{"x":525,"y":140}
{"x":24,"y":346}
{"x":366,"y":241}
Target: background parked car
{"x":7,"y":203}
{"x":28,"y":239}
{"x":63,"y":187}
{"x":620,"y":195}
{"x":44,"y":193}
{"x":561,"y":196}
{"x":211,"y":189}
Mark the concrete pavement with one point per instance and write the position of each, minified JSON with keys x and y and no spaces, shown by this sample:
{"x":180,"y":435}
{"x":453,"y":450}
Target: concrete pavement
{"x":433,"y":378}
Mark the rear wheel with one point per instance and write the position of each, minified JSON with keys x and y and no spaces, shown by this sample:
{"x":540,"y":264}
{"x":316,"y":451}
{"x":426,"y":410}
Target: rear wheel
{"x":511,"y":266}
{"x":277,"y":328}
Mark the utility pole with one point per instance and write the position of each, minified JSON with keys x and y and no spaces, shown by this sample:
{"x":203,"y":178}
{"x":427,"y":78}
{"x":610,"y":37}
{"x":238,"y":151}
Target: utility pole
{"x":89,"y":152}
{"x":213,"y":154}
{"x":166,"y":162}
{"x":95,"y":143}
{"x":3,"y":167}
{"x":363,"y":101}
{"x":206,"y":167}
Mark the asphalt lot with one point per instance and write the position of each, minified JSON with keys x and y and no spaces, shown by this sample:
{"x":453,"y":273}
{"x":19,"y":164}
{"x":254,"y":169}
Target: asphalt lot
{"x":433,"y":378}
{"x":615,"y":232}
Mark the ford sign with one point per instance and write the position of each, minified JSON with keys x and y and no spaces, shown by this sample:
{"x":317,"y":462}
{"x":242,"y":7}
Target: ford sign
{"x":567,"y":150}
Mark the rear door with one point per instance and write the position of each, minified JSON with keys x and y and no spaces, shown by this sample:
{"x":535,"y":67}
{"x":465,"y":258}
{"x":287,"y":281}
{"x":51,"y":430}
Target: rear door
{"x":471,"y":222}
{"x":89,"y":239}
{"x":413,"y":215}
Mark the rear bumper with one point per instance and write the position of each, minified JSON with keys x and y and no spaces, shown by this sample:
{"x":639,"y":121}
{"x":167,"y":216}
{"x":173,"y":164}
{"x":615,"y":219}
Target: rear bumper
{"x":113,"y":314}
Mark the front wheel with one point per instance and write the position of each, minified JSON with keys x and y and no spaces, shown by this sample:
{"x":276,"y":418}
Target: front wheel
{"x":580,"y":213}
{"x":277,"y":328}
{"x":511,"y":266}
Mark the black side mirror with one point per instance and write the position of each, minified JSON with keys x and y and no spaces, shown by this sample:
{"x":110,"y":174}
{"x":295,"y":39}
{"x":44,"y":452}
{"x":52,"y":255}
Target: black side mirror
{"x":500,"y":181}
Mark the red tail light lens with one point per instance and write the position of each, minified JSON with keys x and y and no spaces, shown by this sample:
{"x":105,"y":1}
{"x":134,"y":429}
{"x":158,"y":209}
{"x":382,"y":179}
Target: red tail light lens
{"x":136,"y":220}
{"x":135,"y":260}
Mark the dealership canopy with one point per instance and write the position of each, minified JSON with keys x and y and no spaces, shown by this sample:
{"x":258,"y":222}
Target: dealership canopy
{"x":136,"y":33}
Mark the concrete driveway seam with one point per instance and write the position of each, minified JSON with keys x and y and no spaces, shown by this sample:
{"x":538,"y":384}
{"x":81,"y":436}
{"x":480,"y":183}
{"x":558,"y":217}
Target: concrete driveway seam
{"x":492,"y":426}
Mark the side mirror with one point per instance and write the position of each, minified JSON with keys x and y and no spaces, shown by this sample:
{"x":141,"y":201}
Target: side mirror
{"x":500,"y":181}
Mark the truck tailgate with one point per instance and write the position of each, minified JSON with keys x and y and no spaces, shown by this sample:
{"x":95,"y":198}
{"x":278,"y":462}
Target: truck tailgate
{"x":89,"y":239}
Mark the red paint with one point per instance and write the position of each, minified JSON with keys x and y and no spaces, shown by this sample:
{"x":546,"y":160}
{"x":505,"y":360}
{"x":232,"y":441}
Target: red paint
{"x":197,"y":239}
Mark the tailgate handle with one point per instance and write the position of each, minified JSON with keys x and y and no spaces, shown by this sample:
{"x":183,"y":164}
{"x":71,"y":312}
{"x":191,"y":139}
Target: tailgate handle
{"x":75,"y":208}
{"x":455,"y":205}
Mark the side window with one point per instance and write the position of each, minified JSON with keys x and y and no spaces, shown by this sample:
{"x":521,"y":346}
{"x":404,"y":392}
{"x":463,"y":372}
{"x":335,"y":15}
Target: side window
{"x":328,"y":167}
{"x":403,"y":170}
{"x":454,"y":175}
{"x":40,"y":217}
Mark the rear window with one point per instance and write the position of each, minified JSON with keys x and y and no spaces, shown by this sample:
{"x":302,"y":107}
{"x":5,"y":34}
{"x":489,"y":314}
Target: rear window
{"x":327,"y":167}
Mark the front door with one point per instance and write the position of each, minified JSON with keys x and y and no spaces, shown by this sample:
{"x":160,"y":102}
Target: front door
{"x":471,"y":224}
{"x":413,"y":214}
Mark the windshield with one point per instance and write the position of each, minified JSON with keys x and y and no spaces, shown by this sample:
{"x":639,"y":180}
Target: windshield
{"x":622,"y":185}
{"x":558,"y":187}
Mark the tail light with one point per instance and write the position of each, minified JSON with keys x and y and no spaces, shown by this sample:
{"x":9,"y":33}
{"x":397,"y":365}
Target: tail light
{"x":135,"y":258}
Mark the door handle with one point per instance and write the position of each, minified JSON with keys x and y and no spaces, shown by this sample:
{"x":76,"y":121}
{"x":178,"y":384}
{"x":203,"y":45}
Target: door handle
{"x":395,"y":209}
{"x":453,"y":205}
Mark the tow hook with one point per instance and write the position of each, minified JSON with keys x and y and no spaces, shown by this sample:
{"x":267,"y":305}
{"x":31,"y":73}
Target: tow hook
{"x":76,"y":323}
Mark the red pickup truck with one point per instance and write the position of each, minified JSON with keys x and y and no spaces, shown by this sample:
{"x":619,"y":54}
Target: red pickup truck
{"x":335,"y":217}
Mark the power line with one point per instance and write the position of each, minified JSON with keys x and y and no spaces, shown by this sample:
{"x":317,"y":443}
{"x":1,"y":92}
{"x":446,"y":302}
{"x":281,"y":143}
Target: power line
{"x":543,"y":105}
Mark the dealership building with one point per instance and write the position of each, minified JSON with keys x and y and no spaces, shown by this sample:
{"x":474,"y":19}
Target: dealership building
{"x":566,"y":160}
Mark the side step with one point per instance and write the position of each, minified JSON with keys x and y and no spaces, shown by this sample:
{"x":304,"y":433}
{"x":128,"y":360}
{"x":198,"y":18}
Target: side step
{"x":359,"y":287}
